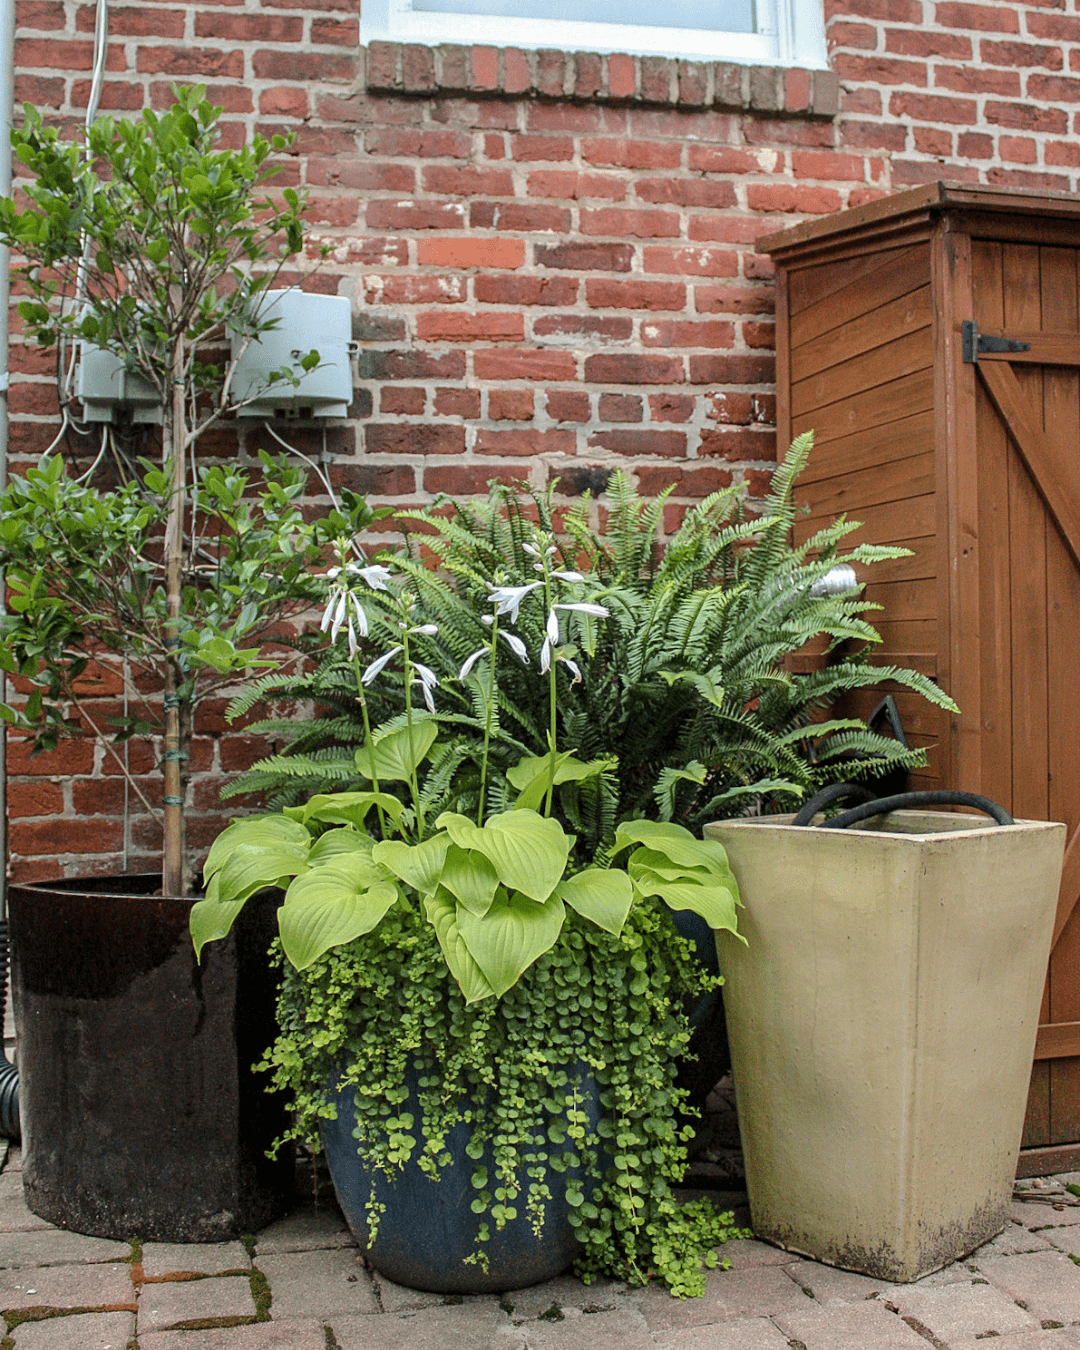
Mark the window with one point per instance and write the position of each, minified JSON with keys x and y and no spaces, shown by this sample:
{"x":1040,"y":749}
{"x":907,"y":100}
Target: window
{"x":746,"y":32}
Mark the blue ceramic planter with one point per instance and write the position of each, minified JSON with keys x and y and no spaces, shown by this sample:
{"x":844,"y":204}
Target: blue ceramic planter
{"x":428,"y":1228}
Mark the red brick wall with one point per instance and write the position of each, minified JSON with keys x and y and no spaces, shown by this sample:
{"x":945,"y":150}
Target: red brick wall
{"x":551,"y":257}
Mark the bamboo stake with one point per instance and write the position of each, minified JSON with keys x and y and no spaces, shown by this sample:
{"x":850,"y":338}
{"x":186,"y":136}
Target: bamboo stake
{"x":173,"y":881}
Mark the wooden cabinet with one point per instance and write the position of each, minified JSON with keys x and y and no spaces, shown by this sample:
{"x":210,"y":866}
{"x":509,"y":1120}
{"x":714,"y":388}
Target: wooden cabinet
{"x":932,"y":342}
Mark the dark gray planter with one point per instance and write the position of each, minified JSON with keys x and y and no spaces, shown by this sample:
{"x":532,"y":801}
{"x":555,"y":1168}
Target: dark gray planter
{"x":141,"y":1116}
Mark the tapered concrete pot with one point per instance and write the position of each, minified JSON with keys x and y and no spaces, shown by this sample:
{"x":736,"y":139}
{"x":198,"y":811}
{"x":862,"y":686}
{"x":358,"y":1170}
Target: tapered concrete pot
{"x":882,"y":1022}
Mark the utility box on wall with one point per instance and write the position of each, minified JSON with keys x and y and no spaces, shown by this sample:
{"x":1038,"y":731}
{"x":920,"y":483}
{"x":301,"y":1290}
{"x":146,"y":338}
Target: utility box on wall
{"x":931,"y":340}
{"x":306,"y":322}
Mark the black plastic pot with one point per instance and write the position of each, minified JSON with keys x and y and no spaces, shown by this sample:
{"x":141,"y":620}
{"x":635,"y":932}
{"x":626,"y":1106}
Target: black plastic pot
{"x":140,"y":1113}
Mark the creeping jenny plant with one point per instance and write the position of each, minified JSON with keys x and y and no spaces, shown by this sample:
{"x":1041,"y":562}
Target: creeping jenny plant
{"x":478,"y":952}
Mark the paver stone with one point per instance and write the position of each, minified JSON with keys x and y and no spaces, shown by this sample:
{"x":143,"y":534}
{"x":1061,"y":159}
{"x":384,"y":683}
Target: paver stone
{"x":621,"y":1330}
{"x":469,"y":1326}
{"x":746,"y":1252}
{"x":830,"y":1284}
{"x":962,"y":1310}
{"x":83,"y":1331}
{"x":850,"y":1326}
{"x":306,"y":1229}
{"x":1064,"y":1338}
{"x":760,"y":1291}
{"x":756,"y":1333}
{"x":202,"y":1258}
{"x":97,"y":1286}
{"x":565,"y":1293}
{"x":1047,"y":1284}
{"x":1014,"y":1241}
{"x":165,"y":1305}
{"x":317,"y":1284}
{"x":300,"y":1335}
{"x":56,"y":1247}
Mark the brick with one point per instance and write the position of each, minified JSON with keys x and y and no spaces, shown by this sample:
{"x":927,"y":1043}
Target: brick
{"x":871,"y":136}
{"x":622,"y":76}
{"x":1064,"y":27}
{"x":602,"y":293}
{"x":584,"y":328}
{"x":1039,"y":182}
{"x":1025,"y":117}
{"x":652,"y":480}
{"x":702,"y":262}
{"x":452,"y":479}
{"x":484,"y":76}
{"x":66,"y":836}
{"x":659,"y":79}
{"x":361,"y":175}
{"x":620,"y":408}
{"x":37,"y":799}
{"x":982,"y":18}
{"x":470,"y":252}
{"x":383,"y":65}
{"x":641,"y":444}
{"x":735,"y":369}
{"x":48,"y":16}
{"x":409,"y":401}
{"x":551,"y":73}
{"x":570,"y":117}
{"x":65,"y":1286}
{"x":637,"y":224}
{"x":1018,"y":149}
{"x":538,"y":366}
{"x":1066,"y":153}
{"x":879,"y":69}
{"x":295,"y":1334}
{"x":733,"y":229}
{"x":238,"y":27}
{"x":587,"y":74}
{"x":688,"y":333}
{"x":334,"y":32}
{"x":374,"y":479}
{"x":828,"y":165}
{"x":694,"y":83}
{"x":41,"y":91}
{"x":976,"y":80}
{"x":686,"y":192}
{"x":467,"y":181}
{"x":974,"y":145}
{"x":764,"y":89}
{"x":567,"y":405}
{"x":581,"y":257}
{"x":450,"y":326}
{"x":783,"y":197}
{"x":294,"y":65}
{"x":525,"y":218}
{"x":629,"y":368}
{"x":577,"y":186}
{"x":737,"y":443}
{"x":369,"y":327}
{"x":921,"y":42}
{"x":1019,"y":54}
{"x":69,"y":757}
{"x":399,"y":141}
{"x":1053,"y":88}
{"x":931,"y":141}
{"x":383,"y":365}
{"x":415,"y":290}
{"x":521,"y":442}
{"x":284,"y":101}
{"x":525,"y":290}
{"x":383,"y":214}
{"x":457,"y":402}
{"x":510,"y":405}
{"x":632,"y":154}
{"x":413,"y":438}
{"x":54,"y":54}
{"x":861,"y":36}
{"x":203,"y":1258}
{"x":671,"y":407}
{"x":930,"y":108}
{"x":542,"y":148}
{"x":86,"y":1331}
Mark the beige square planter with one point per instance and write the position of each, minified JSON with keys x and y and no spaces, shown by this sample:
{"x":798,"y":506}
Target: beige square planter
{"x":882,"y":1021}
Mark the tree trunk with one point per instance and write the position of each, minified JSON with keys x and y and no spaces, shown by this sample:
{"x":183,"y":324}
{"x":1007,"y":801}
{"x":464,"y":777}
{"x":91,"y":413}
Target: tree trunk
{"x":174,"y":878}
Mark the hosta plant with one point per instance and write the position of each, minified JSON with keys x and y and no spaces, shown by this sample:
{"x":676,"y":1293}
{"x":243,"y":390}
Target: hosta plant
{"x":478,"y":923}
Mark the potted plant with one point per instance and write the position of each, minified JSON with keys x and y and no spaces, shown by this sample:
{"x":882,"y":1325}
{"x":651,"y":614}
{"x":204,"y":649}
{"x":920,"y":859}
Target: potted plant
{"x":483,"y":1020}
{"x":148,"y":246}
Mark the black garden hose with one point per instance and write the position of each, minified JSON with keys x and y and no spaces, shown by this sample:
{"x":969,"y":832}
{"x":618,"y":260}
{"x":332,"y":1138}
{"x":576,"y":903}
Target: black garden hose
{"x":826,"y":795}
{"x":913,"y":801}
{"x":9,"y":1074}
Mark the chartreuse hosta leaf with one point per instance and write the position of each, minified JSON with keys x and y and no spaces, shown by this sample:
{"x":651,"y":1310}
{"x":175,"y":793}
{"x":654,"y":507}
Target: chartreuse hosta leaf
{"x":418,"y":865}
{"x":397,"y":753}
{"x":530,"y":775}
{"x":336,"y":843}
{"x":686,"y":873}
{"x":528,"y":852}
{"x":443,"y":915}
{"x":506,"y":940}
{"x":345,"y":808}
{"x":470,"y":878}
{"x":599,"y":894}
{"x":331,"y":904}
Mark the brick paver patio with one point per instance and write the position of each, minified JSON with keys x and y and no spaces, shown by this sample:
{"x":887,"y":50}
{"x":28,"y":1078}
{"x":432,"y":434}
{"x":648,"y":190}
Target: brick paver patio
{"x":300,"y":1285}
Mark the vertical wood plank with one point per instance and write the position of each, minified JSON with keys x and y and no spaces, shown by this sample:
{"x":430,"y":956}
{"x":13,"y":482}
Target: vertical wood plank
{"x":1061,"y":418}
{"x":783,"y":363}
{"x":956,"y":504}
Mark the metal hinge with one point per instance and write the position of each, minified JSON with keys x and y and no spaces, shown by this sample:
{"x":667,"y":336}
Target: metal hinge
{"x":976,"y":344}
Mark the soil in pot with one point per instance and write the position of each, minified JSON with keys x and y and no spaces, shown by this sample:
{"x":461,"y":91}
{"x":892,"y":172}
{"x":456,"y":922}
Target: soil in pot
{"x":140,"y":1113}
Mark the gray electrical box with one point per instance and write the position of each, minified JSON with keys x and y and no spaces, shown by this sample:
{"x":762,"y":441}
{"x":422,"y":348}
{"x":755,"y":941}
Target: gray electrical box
{"x":105,"y":387}
{"x":306,"y":322}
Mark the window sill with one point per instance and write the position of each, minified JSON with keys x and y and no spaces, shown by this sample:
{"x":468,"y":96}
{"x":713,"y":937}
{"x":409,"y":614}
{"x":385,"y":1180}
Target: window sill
{"x":588,"y":77}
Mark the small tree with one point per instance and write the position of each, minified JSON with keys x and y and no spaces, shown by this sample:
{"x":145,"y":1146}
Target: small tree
{"x":150,"y":241}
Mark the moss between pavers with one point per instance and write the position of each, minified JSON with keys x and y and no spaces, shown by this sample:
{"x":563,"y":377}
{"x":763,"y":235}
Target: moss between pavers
{"x":260,"y":1292}
{"x":14,"y":1317}
{"x":331,"y":1339}
{"x":209,"y":1323}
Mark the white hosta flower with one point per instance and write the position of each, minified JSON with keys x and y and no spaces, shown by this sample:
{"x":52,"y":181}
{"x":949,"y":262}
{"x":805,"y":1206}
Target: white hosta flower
{"x":583,"y":607}
{"x":507,"y":599}
{"x":426,"y":674}
{"x":516,"y":646}
{"x":426,"y":629}
{"x":552,"y":626}
{"x":531,"y":549}
{"x":571,"y":577}
{"x":377,"y":665}
{"x":428,"y":699}
{"x":375,"y":575}
{"x":574,"y":668}
{"x":339,"y":615}
{"x":354,"y":645}
{"x":358,"y":614}
{"x":545,"y":656}
{"x":470,"y":661}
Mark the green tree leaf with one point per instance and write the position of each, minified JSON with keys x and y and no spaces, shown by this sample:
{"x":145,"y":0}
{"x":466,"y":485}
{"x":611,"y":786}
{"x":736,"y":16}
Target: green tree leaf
{"x":528,"y":852}
{"x":397,"y":753}
{"x":510,"y":936}
{"x":443,"y":914}
{"x":601,"y":894}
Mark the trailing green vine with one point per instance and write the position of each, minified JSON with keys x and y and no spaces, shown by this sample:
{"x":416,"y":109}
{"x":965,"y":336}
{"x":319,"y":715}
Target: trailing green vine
{"x":569,"y":1078}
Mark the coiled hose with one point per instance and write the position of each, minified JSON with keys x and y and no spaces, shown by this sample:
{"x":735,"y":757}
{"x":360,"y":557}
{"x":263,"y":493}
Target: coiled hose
{"x":9,"y":1074}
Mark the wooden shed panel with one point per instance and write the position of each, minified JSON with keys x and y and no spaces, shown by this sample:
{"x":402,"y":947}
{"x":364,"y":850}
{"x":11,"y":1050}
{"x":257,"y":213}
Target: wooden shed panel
{"x":811,"y":285}
{"x":902,"y":599}
{"x":895,"y":481}
{"x":902,"y":356}
{"x":882,"y":325}
{"x":885,"y":524}
{"x":895,"y":274}
{"x":879,"y":445}
{"x":874,"y":408}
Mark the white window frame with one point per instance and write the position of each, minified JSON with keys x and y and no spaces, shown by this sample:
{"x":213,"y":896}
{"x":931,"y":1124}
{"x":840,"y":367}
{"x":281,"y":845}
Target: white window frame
{"x":789,"y":33}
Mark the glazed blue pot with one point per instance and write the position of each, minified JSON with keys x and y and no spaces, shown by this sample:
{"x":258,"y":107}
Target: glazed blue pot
{"x":428,"y":1227}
